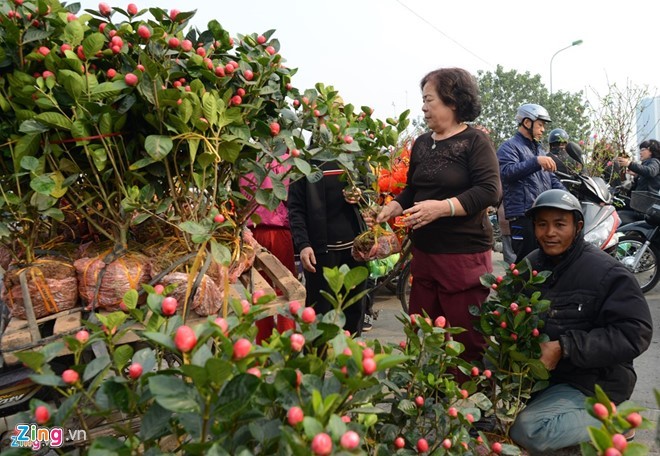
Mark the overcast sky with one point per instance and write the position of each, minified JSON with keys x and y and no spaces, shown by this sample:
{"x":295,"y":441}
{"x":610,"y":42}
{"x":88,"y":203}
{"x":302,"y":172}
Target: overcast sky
{"x":376,"y":51}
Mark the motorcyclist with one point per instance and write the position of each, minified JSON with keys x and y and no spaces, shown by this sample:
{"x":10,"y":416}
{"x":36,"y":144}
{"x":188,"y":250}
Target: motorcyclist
{"x":647,"y":172}
{"x":526,"y":172}
{"x":558,"y":138}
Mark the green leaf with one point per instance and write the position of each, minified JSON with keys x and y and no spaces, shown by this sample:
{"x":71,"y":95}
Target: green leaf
{"x":130,"y":298}
{"x":122,"y":356}
{"x":30,"y":163}
{"x":107,"y":90}
{"x":210,"y":107}
{"x":161,"y":339}
{"x":408,"y":407}
{"x":54,"y":119}
{"x":220,"y":253}
{"x":33,"y":360}
{"x":93,"y":44}
{"x":158,"y":146}
{"x":312,"y":427}
{"x":387,"y":361}
{"x":355,"y":277}
{"x":229,"y":151}
{"x":72,"y":82}
{"x":42,"y":184}
{"x":95,"y":366}
{"x":47,"y":379}
{"x":73,"y":33}
{"x":600,"y":438}
{"x":194,"y":228}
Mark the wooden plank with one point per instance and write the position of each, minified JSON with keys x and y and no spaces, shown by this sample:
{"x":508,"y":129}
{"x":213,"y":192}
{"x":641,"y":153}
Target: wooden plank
{"x":66,"y":324}
{"x":283,"y":279}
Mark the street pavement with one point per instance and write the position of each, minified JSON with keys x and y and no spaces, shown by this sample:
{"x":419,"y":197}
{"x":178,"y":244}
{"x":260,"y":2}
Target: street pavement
{"x":387,"y":328}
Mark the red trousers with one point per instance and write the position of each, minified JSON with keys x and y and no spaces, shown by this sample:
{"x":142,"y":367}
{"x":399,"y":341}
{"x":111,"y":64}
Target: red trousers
{"x":448,"y":284}
{"x":279,"y":242}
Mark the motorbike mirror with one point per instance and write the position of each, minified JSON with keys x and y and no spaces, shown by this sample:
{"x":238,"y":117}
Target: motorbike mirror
{"x":574,"y":151}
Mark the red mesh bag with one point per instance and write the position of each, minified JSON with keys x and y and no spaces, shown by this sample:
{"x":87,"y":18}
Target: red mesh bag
{"x":375,"y":244}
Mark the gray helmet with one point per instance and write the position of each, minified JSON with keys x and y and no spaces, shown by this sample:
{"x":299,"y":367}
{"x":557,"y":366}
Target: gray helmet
{"x":558,"y":199}
{"x":532,"y":112}
{"x":558,"y":136}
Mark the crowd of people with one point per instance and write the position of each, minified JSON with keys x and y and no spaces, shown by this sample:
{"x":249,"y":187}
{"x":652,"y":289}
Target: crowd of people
{"x":598,"y":322}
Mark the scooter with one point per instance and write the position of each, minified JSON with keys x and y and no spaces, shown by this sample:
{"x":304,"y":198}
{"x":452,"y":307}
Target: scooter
{"x":639,"y":244}
{"x":600,"y":218}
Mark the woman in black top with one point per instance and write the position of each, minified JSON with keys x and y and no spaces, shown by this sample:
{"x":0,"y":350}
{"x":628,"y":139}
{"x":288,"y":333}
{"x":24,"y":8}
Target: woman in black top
{"x":647,"y":178}
{"x":452,"y":180}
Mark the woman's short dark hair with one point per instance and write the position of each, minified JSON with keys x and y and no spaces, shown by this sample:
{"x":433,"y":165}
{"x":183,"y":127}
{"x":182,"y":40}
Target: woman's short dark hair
{"x":457,"y":88}
{"x":652,"y":145}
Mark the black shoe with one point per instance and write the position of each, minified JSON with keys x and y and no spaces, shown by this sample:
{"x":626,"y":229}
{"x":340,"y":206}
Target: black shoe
{"x":367,"y":323}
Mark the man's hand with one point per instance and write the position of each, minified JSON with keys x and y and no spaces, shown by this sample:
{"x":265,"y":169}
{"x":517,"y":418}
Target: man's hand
{"x":308,"y":259}
{"x":547,"y":163}
{"x":550,"y":354}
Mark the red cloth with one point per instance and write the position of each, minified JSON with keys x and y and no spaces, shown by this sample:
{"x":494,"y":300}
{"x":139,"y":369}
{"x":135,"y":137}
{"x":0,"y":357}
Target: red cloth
{"x":279,"y":242}
{"x":448,"y":284}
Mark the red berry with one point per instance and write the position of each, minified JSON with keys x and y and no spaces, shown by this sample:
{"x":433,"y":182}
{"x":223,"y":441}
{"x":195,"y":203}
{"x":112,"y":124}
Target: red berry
{"x":294,"y":306}
{"x":514,"y":337}
{"x":297,"y":342}
{"x":350,"y":440}
{"x":224,"y":326}
{"x":131,"y":79}
{"x":135,"y":370}
{"x":257,"y":294}
{"x":82,"y":336}
{"x":132,"y":9}
{"x":487,"y":373}
{"x":496,"y":447}
{"x":245,"y":306}
{"x":452,"y":411}
{"x":600,"y":410}
{"x":635,"y":419}
{"x":144,"y":32}
{"x":185,"y":338}
{"x":368,"y":353}
{"x":513,"y":307}
{"x":70,"y":376}
{"x":254,"y":371}
{"x":503,"y":324}
{"x":220,"y":71}
{"x":295,"y":153}
{"x":43,"y":50}
{"x":308,"y":315}
{"x":419,"y":401}
{"x":242,"y":348}
{"x":348,"y":139}
{"x":219,"y":218}
{"x":186,"y":45}
{"x":535,"y":332}
{"x":464,"y":393}
{"x":111,"y":73}
{"x":270,"y":50}
{"x":499,"y":279}
{"x":474,"y":371}
{"x":248,"y":75}
{"x":446,"y":443}
{"x":422,"y":446}
{"x":368,"y":366}
{"x":173,"y":43}
{"x":236,"y":100}
{"x":169,"y":306}
{"x":41,"y":414}
{"x":515,"y":272}
{"x":159,"y":288}
{"x":528,"y":309}
{"x":619,"y":441}
{"x":229,"y":68}
{"x":274,"y":129}
{"x":240,"y":92}
{"x":611,"y":452}
{"x":440,"y":322}
{"x":201,"y":51}
{"x":173,"y":14}
{"x":104,"y":9}
{"x":399,"y":443}
{"x":322,"y":444}
{"x":261,"y":39}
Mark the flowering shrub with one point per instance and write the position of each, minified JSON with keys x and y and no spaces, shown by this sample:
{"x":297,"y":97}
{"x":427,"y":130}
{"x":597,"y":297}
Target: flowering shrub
{"x":511,"y":321}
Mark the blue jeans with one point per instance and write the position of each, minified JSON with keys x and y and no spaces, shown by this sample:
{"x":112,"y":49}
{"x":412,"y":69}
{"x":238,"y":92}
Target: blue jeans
{"x":556,"y":418}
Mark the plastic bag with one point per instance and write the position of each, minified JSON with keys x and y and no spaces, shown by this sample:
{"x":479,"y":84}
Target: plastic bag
{"x":376,"y":244}
{"x":380,"y":268}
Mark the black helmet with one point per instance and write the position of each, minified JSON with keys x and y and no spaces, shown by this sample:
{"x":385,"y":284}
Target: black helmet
{"x":558,"y":199}
{"x":532,"y":112}
{"x":558,"y":136}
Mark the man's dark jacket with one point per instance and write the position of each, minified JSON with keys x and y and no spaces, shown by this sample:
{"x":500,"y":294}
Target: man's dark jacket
{"x":522,"y":177}
{"x":600,"y":317}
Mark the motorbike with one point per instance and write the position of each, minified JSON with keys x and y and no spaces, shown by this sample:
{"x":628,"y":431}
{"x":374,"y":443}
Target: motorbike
{"x":600,"y":217}
{"x":639,"y":244}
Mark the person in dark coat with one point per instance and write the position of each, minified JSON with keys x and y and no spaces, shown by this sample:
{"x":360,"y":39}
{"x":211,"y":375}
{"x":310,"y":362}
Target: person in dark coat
{"x":598,"y":323}
{"x":323,"y":225}
{"x":526,"y":171}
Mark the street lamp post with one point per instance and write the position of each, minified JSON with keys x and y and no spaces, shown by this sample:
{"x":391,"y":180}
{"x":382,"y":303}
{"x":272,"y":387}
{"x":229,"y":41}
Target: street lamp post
{"x":574,"y":43}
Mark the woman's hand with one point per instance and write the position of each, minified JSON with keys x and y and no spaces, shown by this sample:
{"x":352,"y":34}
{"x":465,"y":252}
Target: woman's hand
{"x":308,"y":259}
{"x":550,"y":354}
{"x":391,"y":209}
{"x":424,"y":212}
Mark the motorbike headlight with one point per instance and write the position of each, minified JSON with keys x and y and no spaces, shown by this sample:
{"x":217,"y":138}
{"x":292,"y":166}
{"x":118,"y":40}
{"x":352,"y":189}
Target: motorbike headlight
{"x":602,"y":235}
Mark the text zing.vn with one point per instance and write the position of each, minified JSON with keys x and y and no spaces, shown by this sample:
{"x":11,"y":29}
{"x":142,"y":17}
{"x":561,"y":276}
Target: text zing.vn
{"x":31,"y":436}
